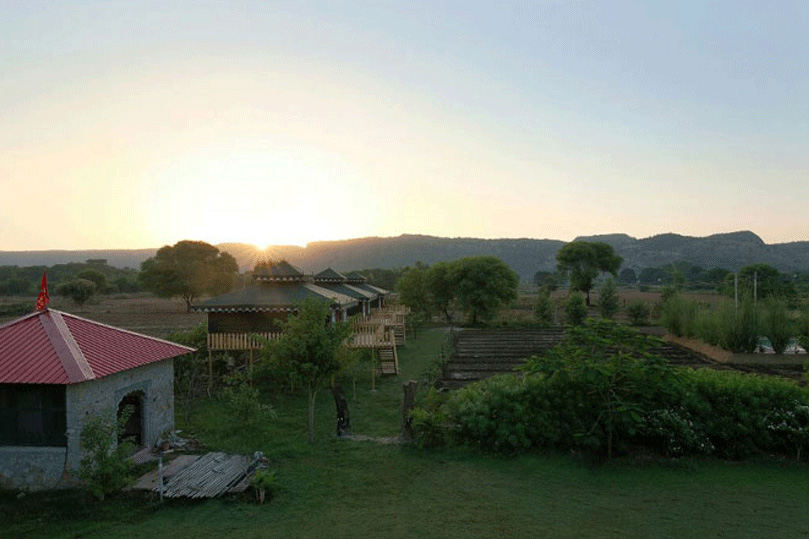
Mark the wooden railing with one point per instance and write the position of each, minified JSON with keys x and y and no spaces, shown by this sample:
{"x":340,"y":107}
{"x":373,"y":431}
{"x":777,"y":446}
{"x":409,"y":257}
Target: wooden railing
{"x":375,"y":331}
{"x":239,"y":341}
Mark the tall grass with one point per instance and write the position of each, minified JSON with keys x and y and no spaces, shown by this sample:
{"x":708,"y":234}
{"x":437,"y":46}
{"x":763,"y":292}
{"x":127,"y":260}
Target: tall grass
{"x":735,"y":328}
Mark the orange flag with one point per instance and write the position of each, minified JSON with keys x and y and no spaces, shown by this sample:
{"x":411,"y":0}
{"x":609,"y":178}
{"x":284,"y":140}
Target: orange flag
{"x":43,"y":299}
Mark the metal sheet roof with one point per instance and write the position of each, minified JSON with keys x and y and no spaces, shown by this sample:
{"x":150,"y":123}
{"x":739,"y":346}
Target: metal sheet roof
{"x":52,"y":347}
{"x":272,"y":297}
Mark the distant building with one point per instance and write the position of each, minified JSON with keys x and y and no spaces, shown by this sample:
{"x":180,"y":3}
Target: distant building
{"x":261,"y":308}
{"x":58,"y":371}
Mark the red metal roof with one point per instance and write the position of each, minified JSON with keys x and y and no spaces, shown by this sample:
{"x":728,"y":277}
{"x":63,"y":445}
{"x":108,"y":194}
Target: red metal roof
{"x":52,"y":347}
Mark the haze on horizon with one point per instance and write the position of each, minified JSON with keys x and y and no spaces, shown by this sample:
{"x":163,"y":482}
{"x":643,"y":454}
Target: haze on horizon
{"x":133,"y":125}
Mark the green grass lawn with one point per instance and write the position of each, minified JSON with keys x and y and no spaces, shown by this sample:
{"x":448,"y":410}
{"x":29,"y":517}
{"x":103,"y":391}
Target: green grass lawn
{"x":344,"y":488}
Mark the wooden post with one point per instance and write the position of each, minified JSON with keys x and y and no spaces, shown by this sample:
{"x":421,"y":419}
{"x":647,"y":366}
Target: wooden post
{"x":250,"y":369}
{"x":373,"y":370}
{"x":210,"y":372}
{"x":341,"y":405}
{"x":408,"y":402}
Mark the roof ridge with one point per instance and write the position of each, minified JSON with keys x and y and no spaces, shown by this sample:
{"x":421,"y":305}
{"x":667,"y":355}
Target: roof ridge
{"x":20,"y":319}
{"x":66,"y":347}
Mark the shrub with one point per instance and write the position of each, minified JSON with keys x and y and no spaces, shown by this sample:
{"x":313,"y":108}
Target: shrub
{"x":608,"y":299}
{"x":264,"y":483}
{"x":105,"y":467}
{"x":638,"y":312}
{"x":678,"y":315}
{"x":576,"y":309}
{"x":543,"y":308}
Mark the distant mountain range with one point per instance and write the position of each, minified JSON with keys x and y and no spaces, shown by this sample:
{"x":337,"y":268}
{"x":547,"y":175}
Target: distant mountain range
{"x":526,"y":256}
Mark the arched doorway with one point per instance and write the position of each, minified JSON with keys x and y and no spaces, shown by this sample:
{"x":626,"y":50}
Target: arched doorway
{"x":130,"y":418}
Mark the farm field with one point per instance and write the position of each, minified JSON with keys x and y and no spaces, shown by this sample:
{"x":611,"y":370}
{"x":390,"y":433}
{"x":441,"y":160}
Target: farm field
{"x":143,"y":313}
{"x":348,"y":488}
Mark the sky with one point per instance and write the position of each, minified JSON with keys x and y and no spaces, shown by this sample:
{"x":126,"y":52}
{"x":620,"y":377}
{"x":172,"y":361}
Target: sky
{"x":139,"y":124}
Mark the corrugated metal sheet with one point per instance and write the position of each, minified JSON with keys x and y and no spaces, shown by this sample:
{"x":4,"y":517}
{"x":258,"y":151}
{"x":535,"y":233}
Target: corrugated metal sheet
{"x":52,"y":347}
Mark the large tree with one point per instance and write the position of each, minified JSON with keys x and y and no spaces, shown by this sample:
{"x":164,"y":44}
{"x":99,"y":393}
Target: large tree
{"x":584,"y":261}
{"x":187,"y":270}
{"x":414,"y":291}
{"x":483,"y":285}
{"x":310,"y":351}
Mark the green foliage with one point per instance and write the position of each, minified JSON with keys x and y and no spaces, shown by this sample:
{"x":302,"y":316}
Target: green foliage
{"x":414,"y":291}
{"x":265,"y":483}
{"x":105,"y":467}
{"x":480,"y":285}
{"x":483,"y":285}
{"x":584,"y":261}
{"x":776,"y":323}
{"x":244,"y":404}
{"x":759,"y":280}
{"x":601,"y":390}
{"x":638,"y":312}
{"x":309,"y":351}
{"x":97,"y":278}
{"x":544,"y":307}
{"x":187,"y":270}
{"x":627,"y":277}
{"x":678,"y":315}
{"x":608,"y":299}
{"x":548,"y":279}
{"x":575,"y":309}
{"x":78,"y":290}
{"x":441,"y":283}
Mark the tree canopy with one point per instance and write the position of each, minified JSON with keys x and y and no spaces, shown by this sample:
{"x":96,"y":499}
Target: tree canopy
{"x":483,"y":285}
{"x":479,"y":285}
{"x":309,"y":350}
{"x":584,"y":261}
{"x":187,"y":270}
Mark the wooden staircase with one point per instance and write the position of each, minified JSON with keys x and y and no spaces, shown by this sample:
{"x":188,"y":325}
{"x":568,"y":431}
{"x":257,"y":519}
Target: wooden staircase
{"x":388,"y":358}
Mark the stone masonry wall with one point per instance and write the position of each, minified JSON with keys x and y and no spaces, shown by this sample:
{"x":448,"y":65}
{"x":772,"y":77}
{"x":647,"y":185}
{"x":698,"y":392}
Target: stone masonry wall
{"x":36,"y":468}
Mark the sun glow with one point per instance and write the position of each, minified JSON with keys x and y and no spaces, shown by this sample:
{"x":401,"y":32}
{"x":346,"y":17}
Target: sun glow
{"x":264,"y":198}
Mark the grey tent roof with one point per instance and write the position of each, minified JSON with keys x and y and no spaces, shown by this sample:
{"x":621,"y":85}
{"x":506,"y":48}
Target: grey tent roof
{"x":372,"y":289}
{"x":350,"y":290}
{"x":331,"y":276}
{"x":355,"y":277}
{"x":277,"y":271}
{"x":276,"y":297}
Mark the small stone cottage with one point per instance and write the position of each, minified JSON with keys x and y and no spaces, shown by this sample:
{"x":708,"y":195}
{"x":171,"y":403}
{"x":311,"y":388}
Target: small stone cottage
{"x":57,"y":371}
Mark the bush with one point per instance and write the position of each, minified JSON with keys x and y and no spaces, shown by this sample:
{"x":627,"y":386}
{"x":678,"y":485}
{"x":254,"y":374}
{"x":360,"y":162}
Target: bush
{"x":678,"y":314}
{"x":543,"y":308}
{"x":601,"y":390}
{"x":576,"y":309}
{"x":105,"y":468}
{"x":638,"y":312}
{"x":608,"y":299}
{"x":264,"y":483}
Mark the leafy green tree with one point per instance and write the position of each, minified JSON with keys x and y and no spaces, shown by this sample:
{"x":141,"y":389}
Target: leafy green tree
{"x":575,"y":309}
{"x":187,"y":270}
{"x":98,"y":278}
{"x":759,"y":280}
{"x":608,"y":299}
{"x":543,"y":308}
{"x":549,"y":279}
{"x":584,"y":261}
{"x":78,"y":290}
{"x":484,"y":285}
{"x":310,"y":351}
{"x":413,"y":288}
{"x":627,"y":277}
{"x":441,"y":282}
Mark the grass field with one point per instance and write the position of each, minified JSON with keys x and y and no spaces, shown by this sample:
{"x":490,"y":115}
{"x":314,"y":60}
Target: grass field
{"x":345,"y":488}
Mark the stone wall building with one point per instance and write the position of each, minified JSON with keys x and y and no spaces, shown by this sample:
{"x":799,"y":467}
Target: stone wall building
{"x":57,"y":372}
